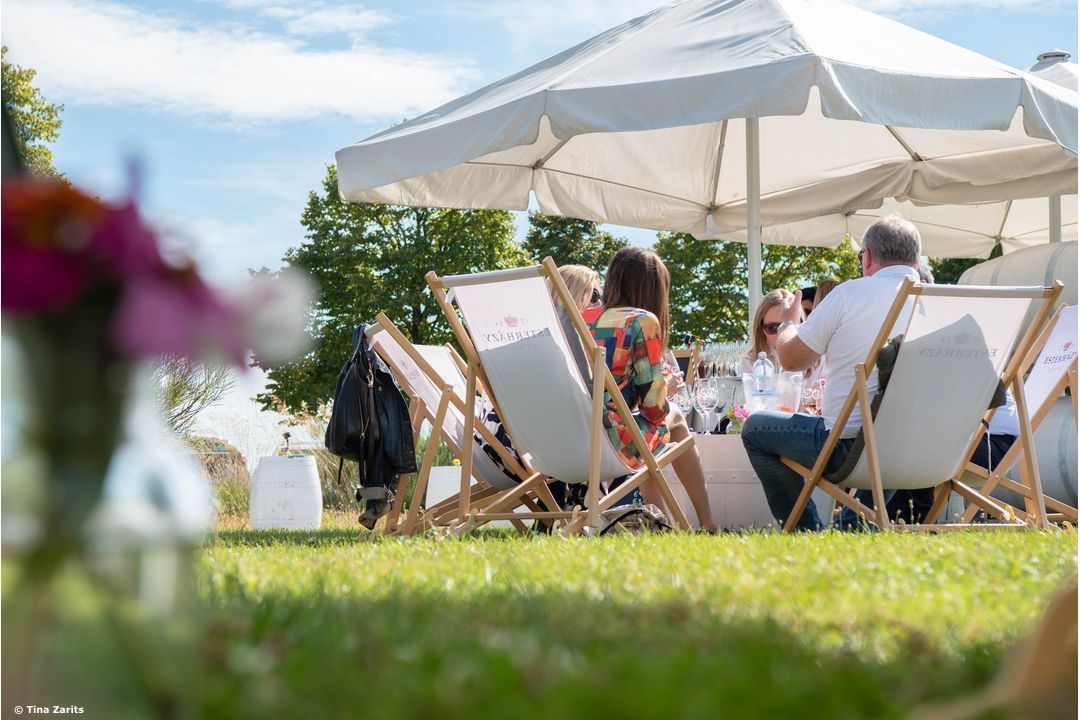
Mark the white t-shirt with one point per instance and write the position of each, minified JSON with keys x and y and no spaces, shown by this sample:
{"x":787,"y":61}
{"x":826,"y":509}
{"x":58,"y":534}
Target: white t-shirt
{"x":843,"y":327}
{"x":1005,"y":420}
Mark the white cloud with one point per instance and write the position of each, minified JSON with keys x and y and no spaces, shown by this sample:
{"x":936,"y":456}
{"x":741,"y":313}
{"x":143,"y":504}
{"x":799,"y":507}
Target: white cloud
{"x":316,"y":18}
{"x":104,"y":53}
{"x":329,"y":21}
{"x":223,"y":249}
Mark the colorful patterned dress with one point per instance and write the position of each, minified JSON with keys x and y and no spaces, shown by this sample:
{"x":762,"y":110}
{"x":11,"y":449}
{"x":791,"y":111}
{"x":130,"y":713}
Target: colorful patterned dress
{"x":633,"y":343}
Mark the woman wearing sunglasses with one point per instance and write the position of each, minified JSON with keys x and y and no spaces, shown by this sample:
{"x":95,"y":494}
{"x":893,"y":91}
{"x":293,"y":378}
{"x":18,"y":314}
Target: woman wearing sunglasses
{"x":766,"y":328}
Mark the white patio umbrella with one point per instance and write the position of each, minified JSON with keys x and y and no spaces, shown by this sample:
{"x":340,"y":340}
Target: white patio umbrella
{"x":1054,"y":66}
{"x":969,"y":231}
{"x":707,"y":116}
{"x":954,"y":230}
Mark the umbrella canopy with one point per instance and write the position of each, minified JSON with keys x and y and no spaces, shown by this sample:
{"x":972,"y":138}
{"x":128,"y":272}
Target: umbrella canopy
{"x":946,"y":230}
{"x":1055,"y":67}
{"x":951,"y":230}
{"x":642,"y":125}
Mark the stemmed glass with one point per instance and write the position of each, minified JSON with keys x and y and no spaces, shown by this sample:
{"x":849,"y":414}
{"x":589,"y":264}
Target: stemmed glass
{"x":681,"y":398}
{"x":722,"y":395}
{"x":811,"y":397}
{"x":706,"y":396}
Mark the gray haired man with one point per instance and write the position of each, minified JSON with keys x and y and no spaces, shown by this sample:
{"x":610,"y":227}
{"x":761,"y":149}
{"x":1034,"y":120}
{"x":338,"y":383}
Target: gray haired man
{"x":841,"y":329}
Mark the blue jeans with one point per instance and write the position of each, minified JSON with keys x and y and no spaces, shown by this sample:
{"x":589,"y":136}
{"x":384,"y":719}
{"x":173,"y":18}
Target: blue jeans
{"x":768,"y":435}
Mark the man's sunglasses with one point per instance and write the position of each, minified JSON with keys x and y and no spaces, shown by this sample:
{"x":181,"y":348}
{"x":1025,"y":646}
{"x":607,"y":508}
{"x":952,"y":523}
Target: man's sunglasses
{"x":771,"y":328}
{"x":861,"y":251}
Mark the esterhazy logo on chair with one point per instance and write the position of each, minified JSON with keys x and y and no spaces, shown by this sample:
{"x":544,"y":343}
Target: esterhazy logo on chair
{"x":958,"y":347}
{"x":1068,"y":352}
{"x":517,"y":328}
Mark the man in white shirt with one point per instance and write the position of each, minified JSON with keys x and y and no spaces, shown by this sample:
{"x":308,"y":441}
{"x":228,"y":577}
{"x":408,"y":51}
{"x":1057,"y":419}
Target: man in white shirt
{"x":841,"y":329}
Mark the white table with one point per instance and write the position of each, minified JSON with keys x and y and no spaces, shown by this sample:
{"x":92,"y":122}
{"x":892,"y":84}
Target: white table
{"x":735,"y":494}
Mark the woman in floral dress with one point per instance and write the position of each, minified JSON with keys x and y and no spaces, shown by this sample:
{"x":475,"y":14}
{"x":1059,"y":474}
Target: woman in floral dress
{"x":631,"y":325}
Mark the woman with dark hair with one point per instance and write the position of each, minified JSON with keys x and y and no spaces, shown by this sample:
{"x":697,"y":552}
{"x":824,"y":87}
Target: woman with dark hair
{"x":632,"y":324}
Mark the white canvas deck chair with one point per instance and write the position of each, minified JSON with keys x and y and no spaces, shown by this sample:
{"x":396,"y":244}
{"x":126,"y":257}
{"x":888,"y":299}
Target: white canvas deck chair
{"x":959,"y":343}
{"x":516,"y":348}
{"x":1053,"y":361}
{"x":436,"y":386}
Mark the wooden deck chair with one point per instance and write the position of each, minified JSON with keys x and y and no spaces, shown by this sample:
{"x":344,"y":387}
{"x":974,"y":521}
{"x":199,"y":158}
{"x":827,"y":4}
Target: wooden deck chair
{"x":688,"y":362}
{"x":431,"y":377}
{"x":1052,"y":359}
{"x":959,"y":343}
{"x":515,"y":346}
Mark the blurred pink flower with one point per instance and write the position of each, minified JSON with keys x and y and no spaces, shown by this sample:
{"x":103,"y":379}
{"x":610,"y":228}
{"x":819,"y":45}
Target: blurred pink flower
{"x":59,"y":242}
{"x":181,"y":316}
{"x":44,"y":235}
{"x":125,"y":244}
{"x":37,"y":278}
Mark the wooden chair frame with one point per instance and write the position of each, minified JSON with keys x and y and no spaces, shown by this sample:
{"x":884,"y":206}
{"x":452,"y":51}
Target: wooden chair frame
{"x":602,"y":379}
{"x":996,"y":478}
{"x":860,"y":393}
{"x":528,"y":492}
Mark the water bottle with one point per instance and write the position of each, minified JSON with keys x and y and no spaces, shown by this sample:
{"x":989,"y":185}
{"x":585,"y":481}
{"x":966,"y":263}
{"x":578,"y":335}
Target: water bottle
{"x":763,"y":377}
{"x":764,"y":373}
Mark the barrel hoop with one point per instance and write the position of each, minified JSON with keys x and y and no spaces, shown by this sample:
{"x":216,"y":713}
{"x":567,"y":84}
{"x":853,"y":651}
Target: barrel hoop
{"x":997,"y":271}
{"x":1049,"y":279}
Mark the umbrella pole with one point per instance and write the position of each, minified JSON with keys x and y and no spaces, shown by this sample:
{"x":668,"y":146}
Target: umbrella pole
{"x":1055,"y":218}
{"x":753,"y":221}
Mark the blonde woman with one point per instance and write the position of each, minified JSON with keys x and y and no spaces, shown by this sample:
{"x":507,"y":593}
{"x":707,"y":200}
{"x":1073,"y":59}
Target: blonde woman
{"x":823,"y":289}
{"x":766,"y":329}
{"x":583,"y":284}
{"x":766,"y":326}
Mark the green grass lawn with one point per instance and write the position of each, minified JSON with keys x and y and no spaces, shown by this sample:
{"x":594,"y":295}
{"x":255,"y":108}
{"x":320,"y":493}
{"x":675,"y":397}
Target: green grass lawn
{"x":326,"y":625}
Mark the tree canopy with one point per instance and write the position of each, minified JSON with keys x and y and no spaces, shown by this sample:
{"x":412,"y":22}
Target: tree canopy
{"x":570,"y":241}
{"x":708,"y":281}
{"x":34,"y":121}
{"x":367,"y":258}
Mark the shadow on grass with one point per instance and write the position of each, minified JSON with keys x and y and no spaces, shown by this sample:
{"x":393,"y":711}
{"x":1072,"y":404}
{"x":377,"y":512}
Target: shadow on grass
{"x":314,"y":538}
{"x":552,"y":655}
{"x":329,"y":537}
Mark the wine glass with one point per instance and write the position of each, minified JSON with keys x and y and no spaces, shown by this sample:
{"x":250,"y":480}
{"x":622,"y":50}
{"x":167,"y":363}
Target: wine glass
{"x":723,"y":394}
{"x":705,"y":399}
{"x":683,"y":401}
{"x":811,"y":397}
{"x":670,"y":361}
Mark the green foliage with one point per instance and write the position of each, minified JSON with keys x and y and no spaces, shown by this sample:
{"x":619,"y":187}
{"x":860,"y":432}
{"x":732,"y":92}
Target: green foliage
{"x":369,"y":258}
{"x":443,"y":454}
{"x":186,"y":388}
{"x":708,"y":280}
{"x":227,"y":471}
{"x":570,"y":241}
{"x":947,"y":271}
{"x":34,"y":120}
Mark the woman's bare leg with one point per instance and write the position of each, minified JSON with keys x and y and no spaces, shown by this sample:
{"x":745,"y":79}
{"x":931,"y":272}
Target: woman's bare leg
{"x":688,"y":467}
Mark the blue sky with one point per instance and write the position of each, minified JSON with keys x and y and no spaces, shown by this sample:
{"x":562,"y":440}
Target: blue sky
{"x":236,"y":106}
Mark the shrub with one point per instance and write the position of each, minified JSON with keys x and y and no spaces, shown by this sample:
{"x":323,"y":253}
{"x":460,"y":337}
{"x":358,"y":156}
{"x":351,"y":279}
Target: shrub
{"x":227,"y":470}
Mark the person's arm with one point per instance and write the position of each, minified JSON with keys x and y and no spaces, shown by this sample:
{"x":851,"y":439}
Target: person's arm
{"x":646,"y":347}
{"x":794,"y":353}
